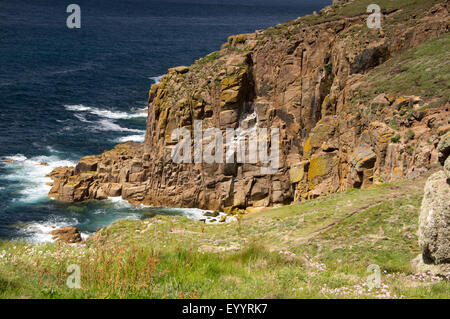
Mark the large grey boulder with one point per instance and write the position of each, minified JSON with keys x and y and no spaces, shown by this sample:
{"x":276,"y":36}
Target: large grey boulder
{"x":434,"y":219}
{"x":434,"y":222}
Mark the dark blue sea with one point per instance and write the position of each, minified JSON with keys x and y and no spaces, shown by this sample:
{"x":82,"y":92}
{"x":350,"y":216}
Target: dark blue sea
{"x":66,"y":93}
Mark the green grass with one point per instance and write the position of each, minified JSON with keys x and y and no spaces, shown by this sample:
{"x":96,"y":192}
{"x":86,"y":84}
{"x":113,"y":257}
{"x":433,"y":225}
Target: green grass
{"x":422,"y":71}
{"x":210,"y":58}
{"x":329,"y":241}
{"x":406,"y":8}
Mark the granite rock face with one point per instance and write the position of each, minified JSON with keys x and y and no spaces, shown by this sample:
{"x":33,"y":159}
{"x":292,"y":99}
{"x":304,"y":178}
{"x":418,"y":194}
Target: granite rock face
{"x":297,"y":78}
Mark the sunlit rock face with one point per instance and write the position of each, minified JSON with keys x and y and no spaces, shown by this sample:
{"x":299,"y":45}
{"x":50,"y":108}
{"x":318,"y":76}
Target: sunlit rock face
{"x":299,"y":79}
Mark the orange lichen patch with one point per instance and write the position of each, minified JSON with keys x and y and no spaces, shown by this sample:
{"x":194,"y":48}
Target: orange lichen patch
{"x":390,"y":98}
{"x":362,"y":161}
{"x":401,"y":100}
{"x":443,"y":129}
{"x":397,"y":172}
{"x":384,"y":137}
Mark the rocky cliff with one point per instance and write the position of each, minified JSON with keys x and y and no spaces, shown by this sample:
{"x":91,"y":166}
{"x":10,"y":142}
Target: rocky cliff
{"x":354,"y":107}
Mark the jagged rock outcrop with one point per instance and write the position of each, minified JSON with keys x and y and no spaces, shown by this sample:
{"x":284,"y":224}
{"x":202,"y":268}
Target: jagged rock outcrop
{"x":118,"y":172}
{"x":434,"y":220}
{"x":69,"y":235}
{"x":301,"y":78}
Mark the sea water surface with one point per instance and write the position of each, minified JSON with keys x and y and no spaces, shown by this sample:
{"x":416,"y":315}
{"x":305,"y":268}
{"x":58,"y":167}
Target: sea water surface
{"x":66,"y":93}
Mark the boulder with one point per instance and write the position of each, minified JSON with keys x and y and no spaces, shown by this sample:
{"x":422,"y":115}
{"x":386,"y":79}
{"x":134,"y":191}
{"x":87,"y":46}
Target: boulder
{"x":420,"y":266}
{"x":68,"y":235}
{"x":434,"y":220}
{"x":179,"y":69}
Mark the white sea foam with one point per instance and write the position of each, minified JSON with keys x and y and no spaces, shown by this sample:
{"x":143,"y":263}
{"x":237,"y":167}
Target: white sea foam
{"x":192,"y":213}
{"x":197,"y":214}
{"x":115,"y":115}
{"x":51,"y":149}
{"x":77,"y":107}
{"x":135,"y":138}
{"x":156,"y":79}
{"x":41,"y":232}
{"x":117,"y":199}
{"x":17,"y":157}
{"x":107,"y":125}
{"x":119,"y":202}
{"x":82,"y":118}
{"x":32,"y":175}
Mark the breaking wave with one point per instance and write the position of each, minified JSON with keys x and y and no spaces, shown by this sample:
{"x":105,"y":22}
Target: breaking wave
{"x":156,"y":79}
{"x":115,"y":115}
{"x":134,"y":138}
{"x":30,"y":174}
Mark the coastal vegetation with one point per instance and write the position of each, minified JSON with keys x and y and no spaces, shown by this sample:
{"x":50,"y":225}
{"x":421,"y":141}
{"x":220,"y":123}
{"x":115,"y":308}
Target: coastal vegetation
{"x":317,"y":249}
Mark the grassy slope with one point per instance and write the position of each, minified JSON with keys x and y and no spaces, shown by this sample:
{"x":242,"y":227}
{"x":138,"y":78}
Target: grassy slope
{"x":334,"y":240}
{"x":406,"y":8}
{"x":423,"y":71}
